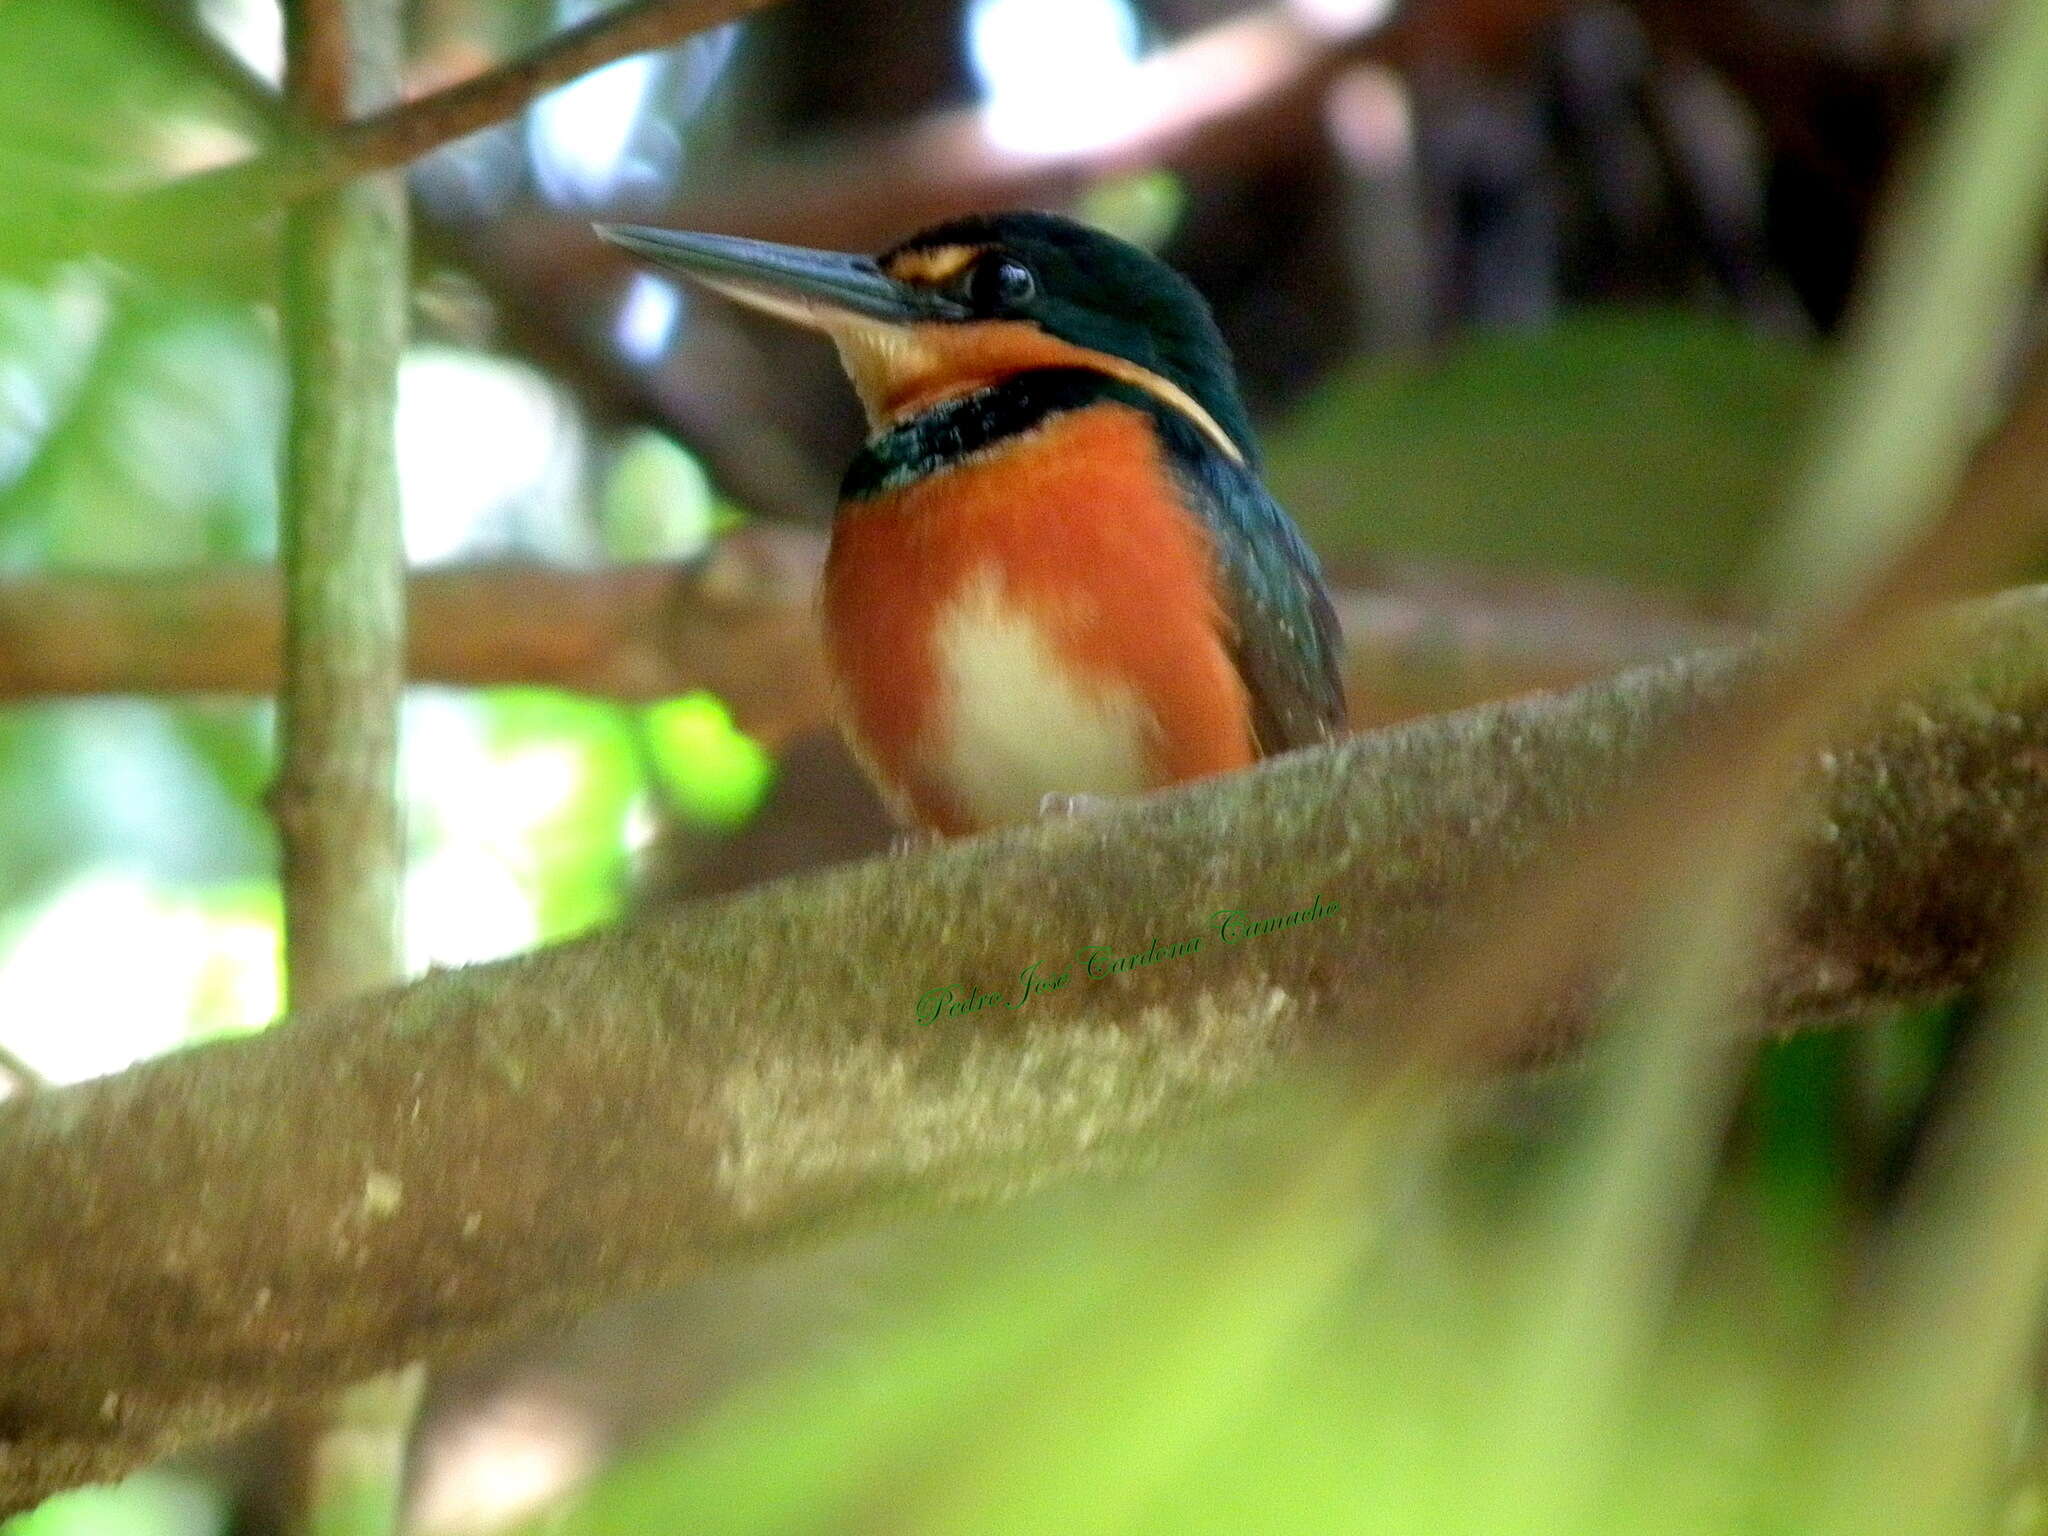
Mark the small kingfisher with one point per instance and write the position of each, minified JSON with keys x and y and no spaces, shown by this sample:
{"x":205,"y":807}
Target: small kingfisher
{"x":1055,"y":573}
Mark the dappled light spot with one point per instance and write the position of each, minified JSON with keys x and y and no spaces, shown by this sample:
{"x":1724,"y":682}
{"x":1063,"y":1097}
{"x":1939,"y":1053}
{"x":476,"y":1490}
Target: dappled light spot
{"x":647,"y":317}
{"x":193,"y":963}
{"x":582,"y":134}
{"x":483,"y":446}
{"x":1057,"y":75}
{"x":502,"y":1463}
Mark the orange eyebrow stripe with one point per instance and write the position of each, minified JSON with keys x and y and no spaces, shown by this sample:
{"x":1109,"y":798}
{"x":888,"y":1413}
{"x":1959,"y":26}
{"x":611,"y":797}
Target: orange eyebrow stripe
{"x":939,"y":264}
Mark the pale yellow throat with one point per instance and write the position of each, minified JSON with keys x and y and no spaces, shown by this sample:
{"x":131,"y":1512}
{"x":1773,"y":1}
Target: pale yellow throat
{"x":899,"y":371}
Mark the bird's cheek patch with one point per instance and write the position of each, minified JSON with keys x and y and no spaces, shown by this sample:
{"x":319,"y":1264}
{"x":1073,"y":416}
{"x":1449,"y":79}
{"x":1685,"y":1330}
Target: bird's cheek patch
{"x":886,"y":363}
{"x":906,"y":369}
{"x":900,"y":370}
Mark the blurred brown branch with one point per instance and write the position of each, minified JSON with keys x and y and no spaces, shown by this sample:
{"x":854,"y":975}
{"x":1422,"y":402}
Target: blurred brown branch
{"x":732,"y":1082}
{"x":742,"y":623}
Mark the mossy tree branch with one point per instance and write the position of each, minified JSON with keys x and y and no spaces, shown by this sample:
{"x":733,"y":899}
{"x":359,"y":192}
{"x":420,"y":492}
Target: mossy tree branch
{"x":511,"y":1144}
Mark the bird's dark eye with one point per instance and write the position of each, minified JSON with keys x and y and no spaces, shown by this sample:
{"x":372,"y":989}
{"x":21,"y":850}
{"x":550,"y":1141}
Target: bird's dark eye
{"x":998,"y":282}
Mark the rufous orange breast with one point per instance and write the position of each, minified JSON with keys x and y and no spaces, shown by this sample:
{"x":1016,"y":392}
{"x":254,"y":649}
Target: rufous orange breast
{"x":1037,"y":617}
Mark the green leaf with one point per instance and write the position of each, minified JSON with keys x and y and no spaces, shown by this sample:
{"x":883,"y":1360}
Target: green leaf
{"x":578,"y":759}
{"x":173,"y":456}
{"x":148,"y":1504}
{"x":710,"y":769}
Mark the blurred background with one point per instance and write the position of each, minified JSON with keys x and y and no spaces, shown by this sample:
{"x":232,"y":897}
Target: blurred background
{"x":1531,"y":298}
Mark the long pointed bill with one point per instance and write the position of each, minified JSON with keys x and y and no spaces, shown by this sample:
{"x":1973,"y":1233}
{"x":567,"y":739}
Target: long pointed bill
{"x":820,"y":289}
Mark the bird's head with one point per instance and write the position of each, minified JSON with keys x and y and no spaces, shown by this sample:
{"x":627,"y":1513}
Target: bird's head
{"x":970,"y":302}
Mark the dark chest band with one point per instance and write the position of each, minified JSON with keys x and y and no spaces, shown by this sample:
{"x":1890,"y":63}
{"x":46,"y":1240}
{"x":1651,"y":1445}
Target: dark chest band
{"x":946,"y":434}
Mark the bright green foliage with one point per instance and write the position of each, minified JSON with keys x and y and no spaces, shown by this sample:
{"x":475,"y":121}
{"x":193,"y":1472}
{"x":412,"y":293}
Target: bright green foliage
{"x":149,"y":1504}
{"x":576,"y":777}
{"x":710,"y":770}
{"x":103,"y":103}
{"x":143,"y":431}
{"x":170,"y":789}
{"x":167,"y":459}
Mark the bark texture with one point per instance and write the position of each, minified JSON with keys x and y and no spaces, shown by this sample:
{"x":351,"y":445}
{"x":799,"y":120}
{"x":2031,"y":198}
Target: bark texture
{"x":204,"y":1237}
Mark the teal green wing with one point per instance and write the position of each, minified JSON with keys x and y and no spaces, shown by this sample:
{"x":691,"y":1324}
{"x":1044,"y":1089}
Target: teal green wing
{"x":1284,"y":638}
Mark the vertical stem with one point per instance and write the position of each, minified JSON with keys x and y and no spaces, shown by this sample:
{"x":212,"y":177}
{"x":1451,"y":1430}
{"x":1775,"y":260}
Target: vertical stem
{"x":345,"y":317}
{"x":335,"y":801}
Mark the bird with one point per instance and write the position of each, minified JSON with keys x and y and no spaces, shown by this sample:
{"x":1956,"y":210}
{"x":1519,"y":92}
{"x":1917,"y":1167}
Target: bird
{"x":1055,"y":575}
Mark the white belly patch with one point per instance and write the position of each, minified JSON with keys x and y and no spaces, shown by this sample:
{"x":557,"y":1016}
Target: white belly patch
{"x":1017,"y":722}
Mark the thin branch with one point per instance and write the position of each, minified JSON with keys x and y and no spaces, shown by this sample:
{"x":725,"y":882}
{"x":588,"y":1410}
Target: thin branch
{"x":547,"y":315}
{"x":345,"y":321}
{"x":403,"y":133}
{"x":345,"y":292}
{"x":743,"y":623}
{"x":1224,"y":95}
{"x":400,"y":134}
{"x":752,"y":1070}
